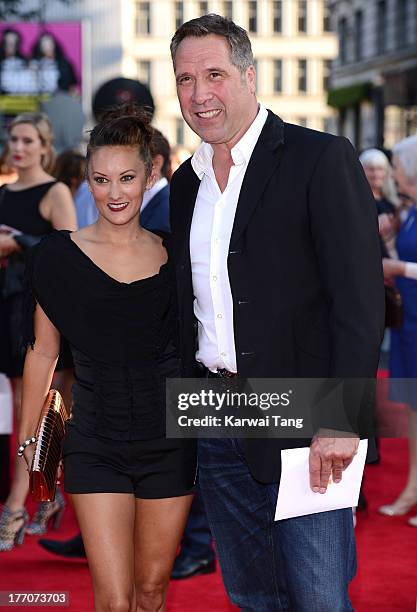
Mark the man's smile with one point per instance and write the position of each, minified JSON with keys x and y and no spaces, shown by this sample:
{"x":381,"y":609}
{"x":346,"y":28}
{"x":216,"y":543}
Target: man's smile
{"x":209,"y":114}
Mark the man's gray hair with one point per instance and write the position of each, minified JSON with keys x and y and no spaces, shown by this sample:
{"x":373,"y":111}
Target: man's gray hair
{"x":406,"y":151}
{"x":241,"y":54}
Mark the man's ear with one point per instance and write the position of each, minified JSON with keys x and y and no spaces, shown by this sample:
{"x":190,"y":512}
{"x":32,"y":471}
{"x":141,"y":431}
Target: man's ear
{"x":153,"y":177}
{"x":157,"y":163}
{"x":251,"y":78}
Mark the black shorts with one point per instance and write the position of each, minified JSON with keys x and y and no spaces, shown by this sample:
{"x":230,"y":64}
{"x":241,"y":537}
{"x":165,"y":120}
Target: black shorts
{"x":148,"y":469}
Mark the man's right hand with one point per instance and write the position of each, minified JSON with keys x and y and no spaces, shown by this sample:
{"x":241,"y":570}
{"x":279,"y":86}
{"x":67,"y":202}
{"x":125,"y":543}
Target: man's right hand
{"x":329,"y":456}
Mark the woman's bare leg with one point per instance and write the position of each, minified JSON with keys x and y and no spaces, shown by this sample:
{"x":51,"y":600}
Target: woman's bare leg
{"x":107,"y":522}
{"x":410,"y":490}
{"x":20,"y":485}
{"x":408,"y":496}
{"x":159,"y":527}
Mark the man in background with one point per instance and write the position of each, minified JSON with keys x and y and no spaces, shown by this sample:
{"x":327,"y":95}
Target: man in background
{"x":66,"y":116}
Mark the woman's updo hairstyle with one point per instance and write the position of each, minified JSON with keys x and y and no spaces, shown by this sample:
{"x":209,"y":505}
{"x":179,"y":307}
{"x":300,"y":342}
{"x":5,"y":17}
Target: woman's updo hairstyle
{"x":123,"y":126}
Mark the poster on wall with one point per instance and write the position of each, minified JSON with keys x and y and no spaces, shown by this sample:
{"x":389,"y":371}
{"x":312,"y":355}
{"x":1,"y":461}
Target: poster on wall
{"x":35,"y":60}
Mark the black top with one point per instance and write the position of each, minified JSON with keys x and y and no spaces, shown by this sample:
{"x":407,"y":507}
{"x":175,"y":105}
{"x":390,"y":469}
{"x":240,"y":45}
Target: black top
{"x":122,"y":337}
{"x":20,"y":209}
{"x":384,"y":206}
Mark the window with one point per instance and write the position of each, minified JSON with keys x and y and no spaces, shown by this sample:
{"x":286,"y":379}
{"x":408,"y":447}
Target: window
{"x":401,"y":23}
{"x":143,"y":18}
{"x":277,"y":72}
{"x":302,"y":75}
{"x":253,"y":17}
{"x":144,"y":72}
{"x":302,"y":16}
{"x":381,"y":33}
{"x":228,"y":9}
{"x":327,"y":66}
{"x":358,"y":35}
{"x":179,"y":14}
{"x":327,"y":26}
{"x":203,"y":7}
{"x":277,"y":17}
{"x":179,"y":131}
{"x":342,"y":40}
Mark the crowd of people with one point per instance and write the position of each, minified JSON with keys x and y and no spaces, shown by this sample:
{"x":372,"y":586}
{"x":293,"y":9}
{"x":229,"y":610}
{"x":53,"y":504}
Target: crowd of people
{"x":108,"y":260}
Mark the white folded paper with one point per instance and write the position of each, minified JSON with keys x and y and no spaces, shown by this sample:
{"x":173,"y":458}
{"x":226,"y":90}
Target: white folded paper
{"x":295,"y":497}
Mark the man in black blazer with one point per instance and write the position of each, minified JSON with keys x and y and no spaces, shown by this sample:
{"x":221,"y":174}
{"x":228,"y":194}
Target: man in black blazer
{"x":154,"y":213}
{"x":276,"y":248}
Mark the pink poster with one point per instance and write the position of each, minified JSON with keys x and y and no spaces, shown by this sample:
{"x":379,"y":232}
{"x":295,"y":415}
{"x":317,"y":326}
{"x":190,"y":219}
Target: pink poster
{"x":38,"y":59}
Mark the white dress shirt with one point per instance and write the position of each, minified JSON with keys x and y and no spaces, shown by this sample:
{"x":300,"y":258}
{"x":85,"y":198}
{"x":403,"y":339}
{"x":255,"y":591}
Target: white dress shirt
{"x":211,"y":229}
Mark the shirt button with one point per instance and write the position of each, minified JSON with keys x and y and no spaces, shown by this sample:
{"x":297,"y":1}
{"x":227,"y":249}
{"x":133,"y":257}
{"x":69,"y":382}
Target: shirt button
{"x":219,"y":316}
{"x":223,"y":354}
{"x":214,"y":277}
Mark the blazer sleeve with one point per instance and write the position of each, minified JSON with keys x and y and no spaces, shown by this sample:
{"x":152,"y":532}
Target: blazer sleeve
{"x":345,"y":233}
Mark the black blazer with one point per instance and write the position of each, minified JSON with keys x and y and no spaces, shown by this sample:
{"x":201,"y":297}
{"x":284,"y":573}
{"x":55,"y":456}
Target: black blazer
{"x":304,"y":267}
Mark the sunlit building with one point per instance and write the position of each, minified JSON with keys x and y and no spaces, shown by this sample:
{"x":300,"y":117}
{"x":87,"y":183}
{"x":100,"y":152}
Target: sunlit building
{"x":292,"y":42}
{"x":374,"y":80}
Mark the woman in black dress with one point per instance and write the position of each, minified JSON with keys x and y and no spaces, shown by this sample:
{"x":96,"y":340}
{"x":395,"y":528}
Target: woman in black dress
{"x":109,"y":290}
{"x":30,"y":208}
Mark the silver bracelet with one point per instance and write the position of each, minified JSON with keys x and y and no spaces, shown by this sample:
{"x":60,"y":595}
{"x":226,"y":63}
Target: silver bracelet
{"x":24,"y":444}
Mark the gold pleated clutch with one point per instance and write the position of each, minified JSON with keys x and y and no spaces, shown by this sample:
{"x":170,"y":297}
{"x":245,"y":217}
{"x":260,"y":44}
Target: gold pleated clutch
{"x":50,"y":434}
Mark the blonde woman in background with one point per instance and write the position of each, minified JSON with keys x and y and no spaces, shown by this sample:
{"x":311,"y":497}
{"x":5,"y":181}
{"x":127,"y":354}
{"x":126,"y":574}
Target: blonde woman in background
{"x":30,"y":208}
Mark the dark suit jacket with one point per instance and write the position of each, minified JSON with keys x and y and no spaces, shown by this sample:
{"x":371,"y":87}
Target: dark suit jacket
{"x":304,"y":267}
{"x":156,"y":212}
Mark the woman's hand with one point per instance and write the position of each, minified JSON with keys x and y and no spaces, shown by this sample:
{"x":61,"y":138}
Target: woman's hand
{"x":8,"y":245}
{"x":393,"y":267}
{"x":386,"y":226}
{"x":7,"y":229}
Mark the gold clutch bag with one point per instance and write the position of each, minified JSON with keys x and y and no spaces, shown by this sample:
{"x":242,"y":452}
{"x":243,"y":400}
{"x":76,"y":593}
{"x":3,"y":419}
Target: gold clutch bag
{"x":50,"y":434}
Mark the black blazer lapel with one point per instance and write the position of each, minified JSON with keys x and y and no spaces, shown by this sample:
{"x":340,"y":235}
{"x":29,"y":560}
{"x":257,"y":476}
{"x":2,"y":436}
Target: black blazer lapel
{"x":188,"y":197}
{"x":264,"y":160}
{"x":187,"y":184}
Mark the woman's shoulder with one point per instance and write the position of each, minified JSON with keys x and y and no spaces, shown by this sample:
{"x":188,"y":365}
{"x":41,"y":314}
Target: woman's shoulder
{"x":56,"y":239}
{"x":58,"y":187}
{"x":162,"y":237}
{"x":51,"y":246}
{"x":48,"y":267}
{"x":56,"y":190}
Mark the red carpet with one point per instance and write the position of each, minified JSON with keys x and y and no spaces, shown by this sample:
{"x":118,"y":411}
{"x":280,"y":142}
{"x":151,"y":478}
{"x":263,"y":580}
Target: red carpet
{"x":387,"y":556}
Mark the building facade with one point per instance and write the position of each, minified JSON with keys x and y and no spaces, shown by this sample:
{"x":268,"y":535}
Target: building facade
{"x":292,"y":43}
{"x":373,"y":84}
